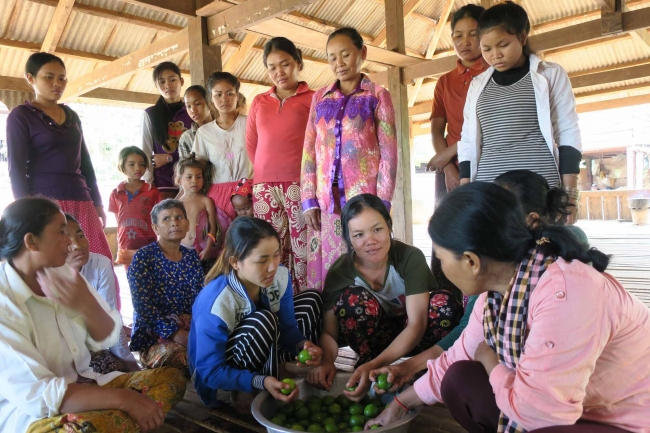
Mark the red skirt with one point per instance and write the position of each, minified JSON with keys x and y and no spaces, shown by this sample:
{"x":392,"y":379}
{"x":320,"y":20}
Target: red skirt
{"x":220,"y":194}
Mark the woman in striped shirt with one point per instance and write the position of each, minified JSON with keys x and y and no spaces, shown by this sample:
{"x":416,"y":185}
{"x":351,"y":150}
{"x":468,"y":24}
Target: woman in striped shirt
{"x":520,"y":113}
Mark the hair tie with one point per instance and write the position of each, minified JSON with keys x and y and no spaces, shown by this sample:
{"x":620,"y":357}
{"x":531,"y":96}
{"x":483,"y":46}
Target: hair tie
{"x":542,"y":241}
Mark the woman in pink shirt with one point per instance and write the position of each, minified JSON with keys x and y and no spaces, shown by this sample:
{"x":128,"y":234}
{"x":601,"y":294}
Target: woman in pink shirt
{"x":553,"y":344}
{"x":274,"y":138}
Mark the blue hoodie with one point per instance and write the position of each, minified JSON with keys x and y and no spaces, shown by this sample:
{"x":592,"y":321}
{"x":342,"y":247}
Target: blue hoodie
{"x":217,"y":311}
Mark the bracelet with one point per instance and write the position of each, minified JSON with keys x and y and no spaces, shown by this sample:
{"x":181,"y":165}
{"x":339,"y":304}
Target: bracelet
{"x":401,"y":404}
{"x":573,"y":193}
{"x":211,"y":236}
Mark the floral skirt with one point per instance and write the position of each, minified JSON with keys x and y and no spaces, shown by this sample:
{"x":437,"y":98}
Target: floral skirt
{"x":165,"y":386}
{"x":368,"y":330}
{"x":167,"y":353}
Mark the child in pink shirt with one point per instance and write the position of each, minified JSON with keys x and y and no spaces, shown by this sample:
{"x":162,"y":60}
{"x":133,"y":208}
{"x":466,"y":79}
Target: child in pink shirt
{"x":554,"y":344}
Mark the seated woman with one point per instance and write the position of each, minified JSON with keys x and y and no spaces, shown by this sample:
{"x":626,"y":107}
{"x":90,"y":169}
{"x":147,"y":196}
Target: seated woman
{"x":380,"y":298}
{"x":98,"y":271}
{"x":165,"y":278}
{"x":548,"y":206}
{"x":51,"y":319}
{"x":587,"y":340}
{"x":246,"y":320}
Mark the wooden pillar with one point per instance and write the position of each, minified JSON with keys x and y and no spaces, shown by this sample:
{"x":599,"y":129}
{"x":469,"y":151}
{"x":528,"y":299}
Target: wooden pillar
{"x":402,"y":211}
{"x":204,"y":59}
{"x":631,"y":168}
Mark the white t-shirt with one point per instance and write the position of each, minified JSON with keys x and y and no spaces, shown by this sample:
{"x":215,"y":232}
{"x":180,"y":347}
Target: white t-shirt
{"x":225,"y":149}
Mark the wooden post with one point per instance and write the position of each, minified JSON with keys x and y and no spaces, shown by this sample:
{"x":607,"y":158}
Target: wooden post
{"x":402,"y":210}
{"x":204,"y":59}
{"x":631,"y":168}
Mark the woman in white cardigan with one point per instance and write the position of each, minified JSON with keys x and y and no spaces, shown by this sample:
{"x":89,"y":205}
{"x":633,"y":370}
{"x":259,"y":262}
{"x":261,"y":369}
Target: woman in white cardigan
{"x":520,"y":113}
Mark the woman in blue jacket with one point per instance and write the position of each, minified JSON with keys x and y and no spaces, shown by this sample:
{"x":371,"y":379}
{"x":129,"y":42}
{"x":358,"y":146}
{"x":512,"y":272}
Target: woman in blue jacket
{"x":246,"y":320}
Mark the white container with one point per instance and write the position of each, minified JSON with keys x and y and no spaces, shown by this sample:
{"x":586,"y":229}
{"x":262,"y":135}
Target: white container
{"x":265,"y":407}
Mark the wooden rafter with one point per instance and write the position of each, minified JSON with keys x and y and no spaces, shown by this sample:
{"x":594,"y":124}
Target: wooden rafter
{"x":625,"y":101}
{"x":13,"y":18}
{"x":240,"y":53}
{"x":431,"y":48}
{"x":210,"y":8}
{"x":409,"y":8}
{"x":55,"y":30}
{"x":178,"y":7}
{"x":151,"y":55}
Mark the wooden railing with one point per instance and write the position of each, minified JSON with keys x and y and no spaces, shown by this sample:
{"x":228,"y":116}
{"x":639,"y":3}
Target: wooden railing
{"x":607,"y":205}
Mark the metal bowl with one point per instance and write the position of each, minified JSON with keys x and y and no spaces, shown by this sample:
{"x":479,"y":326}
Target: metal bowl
{"x":265,"y":407}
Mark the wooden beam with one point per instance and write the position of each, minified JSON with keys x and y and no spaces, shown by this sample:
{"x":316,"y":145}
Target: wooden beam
{"x":240,"y":53}
{"x":15,"y":84}
{"x":611,"y":76}
{"x":212,"y":8}
{"x":613,"y":103}
{"x":251,"y":12}
{"x":146,"y":57}
{"x":408,"y":9}
{"x":575,"y":47}
{"x":204,"y":59}
{"x":566,"y":37}
{"x":328,"y":26}
{"x":55,"y":30}
{"x":431,"y":48}
{"x":614,"y":67}
{"x":423,"y":107}
{"x":610,"y":90}
{"x":122,"y":96}
{"x":402,"y":209}
{"x":177,"y":7}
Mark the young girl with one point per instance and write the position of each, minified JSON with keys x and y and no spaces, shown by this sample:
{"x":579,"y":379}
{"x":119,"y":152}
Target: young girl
{"x":350,"y":148}
{"x":246,"y":320}
{"x":242,"y":198}
{"x":222,"y":144}
{"x":162,"y":127}
{"x":201,"y":214}
{"x":520,"y":113}
{"x":131,"y":202}
{"x":197,"y":106}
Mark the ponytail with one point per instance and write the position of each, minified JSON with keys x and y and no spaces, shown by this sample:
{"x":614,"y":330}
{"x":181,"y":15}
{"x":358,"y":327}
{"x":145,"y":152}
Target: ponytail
{"x":564,"y":242}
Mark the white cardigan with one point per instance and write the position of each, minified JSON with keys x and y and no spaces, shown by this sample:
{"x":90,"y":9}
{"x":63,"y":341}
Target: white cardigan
{"x":556,"y":111}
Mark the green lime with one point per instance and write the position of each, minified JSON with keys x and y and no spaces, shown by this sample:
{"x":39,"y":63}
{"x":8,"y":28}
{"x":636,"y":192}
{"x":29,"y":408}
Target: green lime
{"x":315,"y":428}
{"x":343,"y":401}
{"x":374,"y":427}
{"x":298,"y":403}
{"x":356,"y":409}
{"x":357,"y":428}
{"x":297,"y":427}
{"x":382,"y":382}
{"x":282,"y":417}
{"x":292,"y":385}
{"x":329,"y":420}
{"x":304,"y":423}
{"x":317,"y":417}
{"x":301,"y":413}
{"x":276,"y":420}
{"x":314,"y":400}
{"x":314,"y":407}
{"x":288,"y":409}
{"x":375,"y":402}
{"x":343,"y":426}
{"x":371,"y":411}
{"x":328,"y":400}
{"x":331,"y":428}
{"x":351,"y":388}
{"x":356,"y":420}
{"x":290,"y":421}
{"x":335,"y":408}
{"x":304,"y":356}
{"x":336,"y":416}
{"x":345,"y":417}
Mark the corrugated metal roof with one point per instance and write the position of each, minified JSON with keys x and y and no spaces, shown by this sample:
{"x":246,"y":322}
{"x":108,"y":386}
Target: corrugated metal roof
{"x":26,"y":28}
{"x":419,"y":34}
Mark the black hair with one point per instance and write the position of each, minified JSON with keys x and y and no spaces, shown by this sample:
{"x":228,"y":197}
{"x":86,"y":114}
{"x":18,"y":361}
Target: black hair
{"x":349,"y":32}
{"x":162,"y":114}
{"x":37,"y":60}
{"x":489,"y":221}
{"x":468,"y":11}
{"x":283,"y":44}
{"x":198,"y":89}
{"x":534,"y":194}
{"x":509,"y":17}
{"x":166,"y":204}
{"x":189,"y":162}
{"x":219,"y":76}
{"x":242,"y":237}
{"x":130,"y":150}
{"x":69,"y":218}
{"x":358,"y":204}
{"x":23,"y":216}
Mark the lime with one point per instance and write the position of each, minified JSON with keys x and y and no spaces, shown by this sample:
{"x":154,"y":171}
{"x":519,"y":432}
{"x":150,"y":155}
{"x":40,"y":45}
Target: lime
{"x":290,"y":421}
{"x":343,"y":426}
{"x":314,"y":400}
{"x":351,"y":388}
{"x":304,"y":423}
{"x":314,"y":407}
{"x":336,"y":417}
{"x":315,"y":428}
{"x":282,"y":417}
{"x":297,"y":427}
{"x":356,"y":409}
{"x":375,"y":402}
{"x":317,"y":417}
{"x":335,"y":408}
{"x":328,"y":400}
{"x":371,"y":411}
{"x":304,"y":356}
{"x":331,"y":428}
{"x":356,"y":420}
{"x":298,"y":403}
{"x":357,"y":428}
{"x":301,"y":413}
{"x":343,"y":401}
{"x":382,"y":382}
{"x":292,"y":385}
{"x":288,"y":409}
{"x":329,"y":420}
{"x":276,"y":420}
{"x":374,"y":427}
{"x":346,"y":417}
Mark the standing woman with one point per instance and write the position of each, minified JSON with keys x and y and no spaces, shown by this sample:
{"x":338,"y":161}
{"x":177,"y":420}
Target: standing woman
{"x":162,"y":127}
{"x":47,"y":152}
{"x":198,"y":108}
{"x":521,"y":113}
{"x":221,"y":145}
{"x":274,"y":138}
{"x":350,"y":149}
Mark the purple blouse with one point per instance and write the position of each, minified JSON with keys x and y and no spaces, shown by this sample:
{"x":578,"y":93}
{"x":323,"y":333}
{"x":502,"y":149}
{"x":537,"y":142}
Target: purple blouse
{"x":49,"y":159}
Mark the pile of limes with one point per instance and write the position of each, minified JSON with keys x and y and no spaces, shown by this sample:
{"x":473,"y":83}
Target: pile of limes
{"x":327,"y":414}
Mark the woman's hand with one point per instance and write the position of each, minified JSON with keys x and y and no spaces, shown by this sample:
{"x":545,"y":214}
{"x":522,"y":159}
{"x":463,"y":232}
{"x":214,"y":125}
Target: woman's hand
{"x":181,"y":337}
{"x":274,"y":387}
{"x":70,"y":290}
{"x":312,"y":217}
{"x":441,"y":159}
{"x":322,"y":376}
{"x":392,"y":413}
{"x":398,"y":375}
{"x":315,"y":352}
{"x":144,"y":411}
{"x":452,"y":177}
{"x":361,"y":376}
{"x":160,"y":159}
{"x":464,"y":181}
{"x":101,"y":214}
{"x":486,"y":356}
{"x":207,"y":251}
